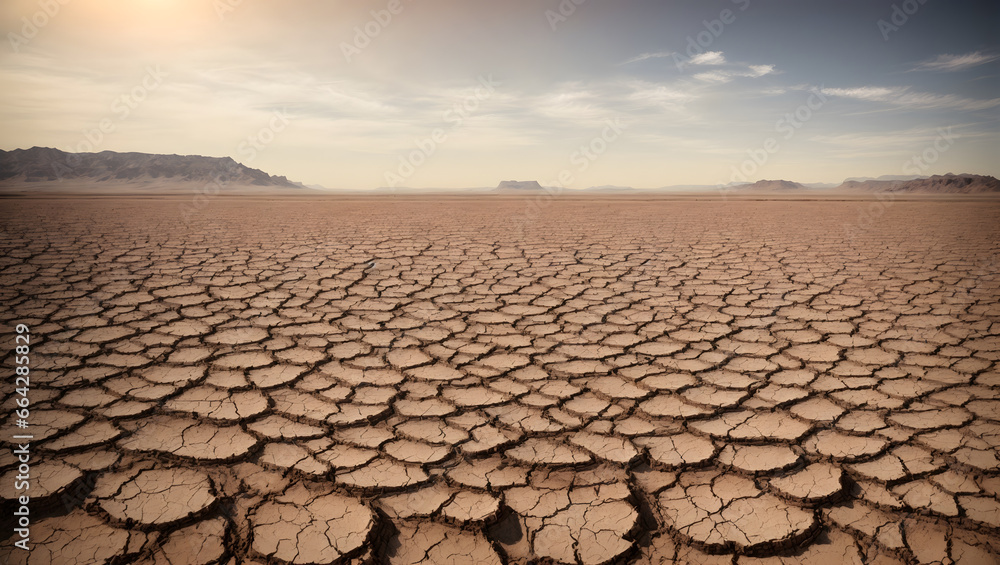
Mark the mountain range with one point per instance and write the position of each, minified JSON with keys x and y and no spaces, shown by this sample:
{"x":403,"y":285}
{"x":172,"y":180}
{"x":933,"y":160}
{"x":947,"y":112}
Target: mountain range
{"x":40,"y":164}
{"x":518,"y":185}
{"x":938,"y":184}
{"x":27,"y":168}
{"x":771,"y":186}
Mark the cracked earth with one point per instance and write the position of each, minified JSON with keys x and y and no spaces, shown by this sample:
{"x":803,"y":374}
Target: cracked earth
{"x":621,"y":382}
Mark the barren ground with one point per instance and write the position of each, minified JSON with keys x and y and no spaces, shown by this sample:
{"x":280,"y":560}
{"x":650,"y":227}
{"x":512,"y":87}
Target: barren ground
{"x":599,"y":381}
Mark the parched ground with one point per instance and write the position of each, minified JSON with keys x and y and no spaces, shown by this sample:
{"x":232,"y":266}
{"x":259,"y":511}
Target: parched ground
{"x":593,"y":382}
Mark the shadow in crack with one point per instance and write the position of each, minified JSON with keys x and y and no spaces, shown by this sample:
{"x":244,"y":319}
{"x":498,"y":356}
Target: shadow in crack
{"x":507,"y":530}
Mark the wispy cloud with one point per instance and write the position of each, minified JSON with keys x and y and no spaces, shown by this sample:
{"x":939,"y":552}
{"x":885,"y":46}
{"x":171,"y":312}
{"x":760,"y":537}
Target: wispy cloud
{"x":726,"y":75}
{"x":760,"y":70}
{"x":904,"y":97}
{"x":647,"y":56}
{"x":950,"y":63}
{"x":655,"y":95}
{"x":883,"y":144}
{"x":866,"y":141}
{"x":708,"y":58}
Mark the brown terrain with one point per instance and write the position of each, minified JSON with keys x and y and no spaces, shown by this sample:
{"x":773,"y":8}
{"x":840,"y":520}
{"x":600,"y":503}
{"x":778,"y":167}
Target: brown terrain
{"x":504,"y":380}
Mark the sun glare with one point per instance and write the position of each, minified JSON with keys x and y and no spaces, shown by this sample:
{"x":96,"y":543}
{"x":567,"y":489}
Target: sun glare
{"x":147,"y":20}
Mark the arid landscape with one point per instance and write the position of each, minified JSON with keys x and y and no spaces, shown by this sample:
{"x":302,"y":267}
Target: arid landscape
{"x":494,"y":380}
{"x":532,"y":282}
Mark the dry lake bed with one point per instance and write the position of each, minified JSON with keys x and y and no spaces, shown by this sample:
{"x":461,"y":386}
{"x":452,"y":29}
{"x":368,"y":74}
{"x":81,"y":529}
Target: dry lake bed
{"x":497,"y":380}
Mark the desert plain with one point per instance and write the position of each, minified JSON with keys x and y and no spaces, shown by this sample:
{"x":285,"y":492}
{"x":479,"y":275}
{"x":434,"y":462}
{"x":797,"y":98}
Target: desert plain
{"x":491,"y":380}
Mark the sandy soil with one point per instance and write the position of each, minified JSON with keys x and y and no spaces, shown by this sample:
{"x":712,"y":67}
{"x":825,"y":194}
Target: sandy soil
{"x":504,"y":380}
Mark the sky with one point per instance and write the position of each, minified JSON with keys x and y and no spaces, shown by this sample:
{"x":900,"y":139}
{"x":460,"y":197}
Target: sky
{"x":466,"y":93}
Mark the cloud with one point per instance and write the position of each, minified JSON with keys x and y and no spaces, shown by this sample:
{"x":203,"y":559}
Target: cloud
{"x":949,"y":63}
{"x":645,"y":56}
{"x":670,"y":97}
{"x":904,"y":97}
{"x":708,"y":58}
{"x":865,"y":141}
{"x":895,"y":142}
{"x":715,"y":76}
{"x":726,"y":75}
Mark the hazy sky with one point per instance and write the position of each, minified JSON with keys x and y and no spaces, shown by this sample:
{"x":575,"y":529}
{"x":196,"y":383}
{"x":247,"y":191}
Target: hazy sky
{"x":465,"y":93}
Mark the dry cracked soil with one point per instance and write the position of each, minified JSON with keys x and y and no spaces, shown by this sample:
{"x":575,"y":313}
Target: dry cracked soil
{"x":413,"y":381}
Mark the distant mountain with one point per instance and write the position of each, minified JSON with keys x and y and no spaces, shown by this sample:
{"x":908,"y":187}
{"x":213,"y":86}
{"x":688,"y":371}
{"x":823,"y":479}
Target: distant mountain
{"x":610,"y":188}
{"x":937,"y":184}
{"x":697,"y":187}
{"x":45,"y":164}
{"x":885,"y":177}
{"x":773,"y":186}
{"x":519,"y":185}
